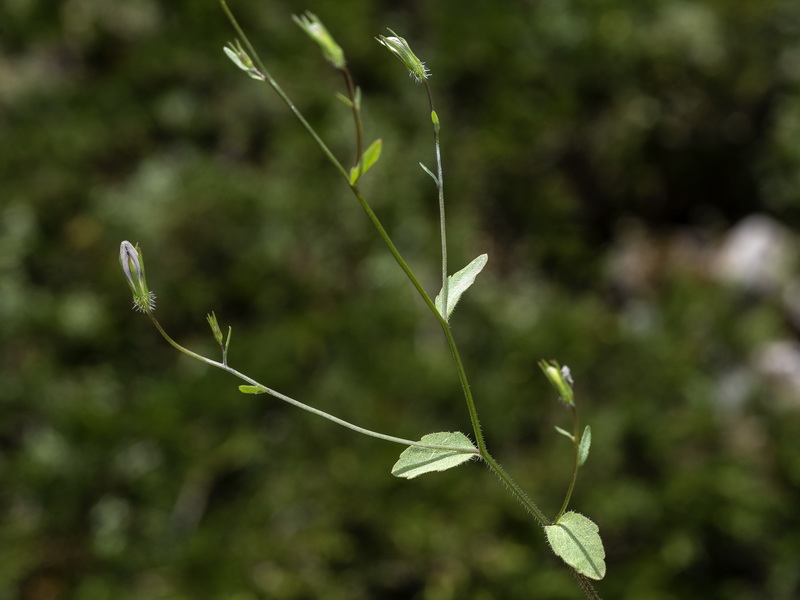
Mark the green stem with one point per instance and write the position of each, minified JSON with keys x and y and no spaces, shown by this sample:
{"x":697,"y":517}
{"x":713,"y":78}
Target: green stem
{"x":576,"y":443}
{"x":462,"y":375}
{"x":281,"y":93}
{"x":297,"y":403}
{"x":585,"y":585}
{"x":482,"y":450}
{"x":351,"y":91}
{"x":440,"y":189}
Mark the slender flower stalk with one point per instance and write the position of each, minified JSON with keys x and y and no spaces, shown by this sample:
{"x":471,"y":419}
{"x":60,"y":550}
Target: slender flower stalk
{"x":266,"y":390}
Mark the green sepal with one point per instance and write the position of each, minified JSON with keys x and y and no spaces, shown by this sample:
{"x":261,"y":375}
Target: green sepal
{"x":583,"y":447}
{"x":458,"y":283}
{"x":576,"y":540}
{"x":416,"y":460}
{"x":369,"y":158}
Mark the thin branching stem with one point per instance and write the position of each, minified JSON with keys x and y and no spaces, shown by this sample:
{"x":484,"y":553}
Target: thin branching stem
{"x":263,"y":71}
{"x":482,"y":451}
{"x":266,"y":390}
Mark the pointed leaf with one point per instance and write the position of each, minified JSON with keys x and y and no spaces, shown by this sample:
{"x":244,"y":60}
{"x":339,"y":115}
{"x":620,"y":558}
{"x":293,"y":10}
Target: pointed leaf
{"x":576,"y":540}
{"x":428,"y":171}
{"x":416,"y":460}
{"x":583,"y":447}
{"x":565,"y":433}
{"x":252,"y":389}
{"x":458,"y":283}
{"x":369,"y":158}
{"x":344,"y":99}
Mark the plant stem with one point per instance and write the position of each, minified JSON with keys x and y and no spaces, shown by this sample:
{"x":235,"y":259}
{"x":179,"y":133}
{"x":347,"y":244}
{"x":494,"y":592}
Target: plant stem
{"x":351,"y":91}
{"x":585,"y":585}
{"x":281,"y":93}
{"x":512,"y":485}
{"x":440,"y":189}
{"x":301,"y":405}
{"x":576,"y":443}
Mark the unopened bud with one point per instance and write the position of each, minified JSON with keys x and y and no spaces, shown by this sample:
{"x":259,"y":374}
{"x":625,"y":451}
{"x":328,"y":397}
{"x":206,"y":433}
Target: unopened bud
{"x":561,"y":380}
{"x":241,"y":59}
{"x":316,"y":31}
{"x":132,"y":262}
{"x":400,"y":48}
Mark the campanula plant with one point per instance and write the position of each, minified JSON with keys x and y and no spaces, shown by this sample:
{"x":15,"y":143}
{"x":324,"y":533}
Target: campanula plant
{"x":572,"y":536}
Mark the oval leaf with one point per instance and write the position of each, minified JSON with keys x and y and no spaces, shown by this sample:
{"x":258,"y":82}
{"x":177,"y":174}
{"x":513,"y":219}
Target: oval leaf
{"x":416,"y":460}
{"x":369,"y":158}
{"x":252,"y":389}
{"x":458,"y":283}
{"x":583,"y":447}
{"x":576,"y":540}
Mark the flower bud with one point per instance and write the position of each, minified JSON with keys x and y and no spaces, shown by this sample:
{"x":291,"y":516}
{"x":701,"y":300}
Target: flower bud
{"x":132,"y":262}
{"x":241,"y":59}
{"x":212,"y":321}
{"x":400,"y":48}
{"x":561,"y":380}
{"x":317,"y":32}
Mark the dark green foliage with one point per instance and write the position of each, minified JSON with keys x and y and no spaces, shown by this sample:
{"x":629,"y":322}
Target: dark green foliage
{"x":130,"y":472}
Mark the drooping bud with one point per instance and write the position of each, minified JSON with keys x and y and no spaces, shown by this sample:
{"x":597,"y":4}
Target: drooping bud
{"x":132,"y":262}
{"x":561,"y":380}
{"x":332,"y":52}
{"x":400,"y":48}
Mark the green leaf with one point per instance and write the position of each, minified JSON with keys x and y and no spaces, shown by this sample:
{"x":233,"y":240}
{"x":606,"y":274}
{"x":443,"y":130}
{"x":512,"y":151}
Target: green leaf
{"x":369,"y":158}
{"x":565,"y":433}
{"x":252,"y":389}
{"x":583,"y":447}
{"x":344,"y":99}
{"x":458,"y":283}
{"x":576,"y":540}
{"x":415,"y":460}
{"x":428,"y":171}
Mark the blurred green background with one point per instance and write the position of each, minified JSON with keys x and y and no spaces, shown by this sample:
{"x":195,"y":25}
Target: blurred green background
{"x":632,"y":170}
